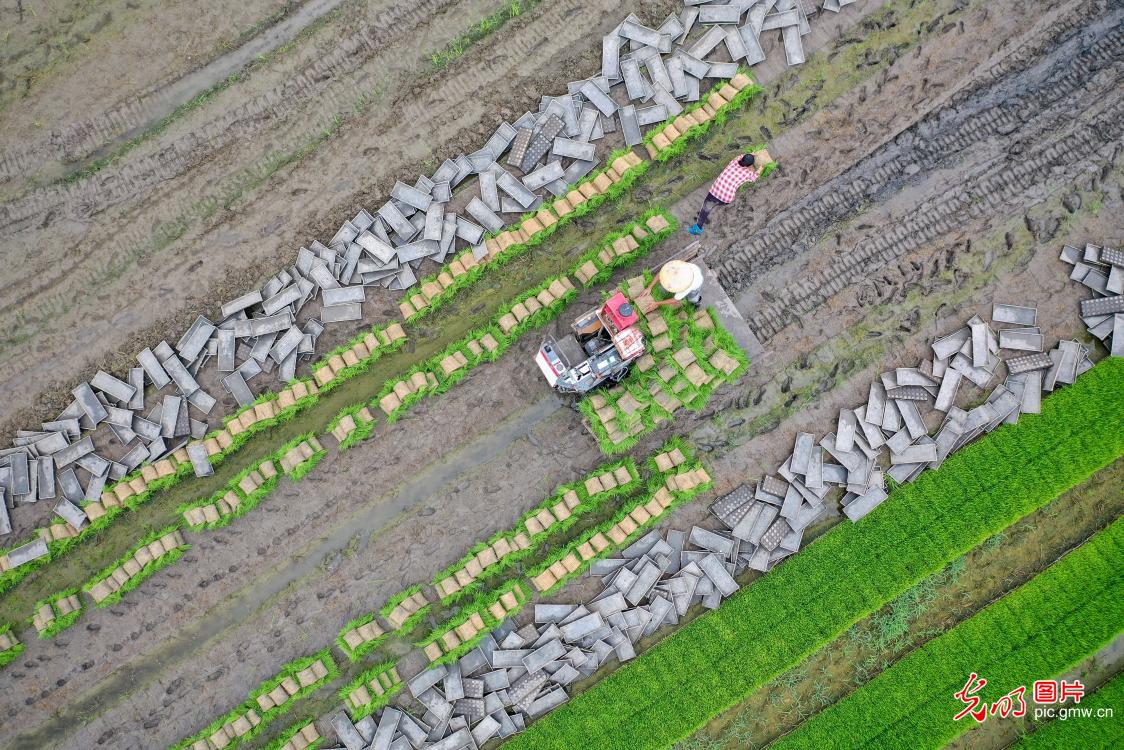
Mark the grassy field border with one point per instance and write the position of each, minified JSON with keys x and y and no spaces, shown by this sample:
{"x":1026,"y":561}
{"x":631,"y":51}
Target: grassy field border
{"x":736,"y":649}
{"x":1059,"y":617}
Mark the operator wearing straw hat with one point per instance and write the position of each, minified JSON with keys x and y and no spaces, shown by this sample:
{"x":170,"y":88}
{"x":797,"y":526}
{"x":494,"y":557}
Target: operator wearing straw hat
{"x":682,"y":280}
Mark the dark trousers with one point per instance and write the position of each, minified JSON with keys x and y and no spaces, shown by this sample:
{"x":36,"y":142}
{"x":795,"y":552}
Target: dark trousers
{"x":709,"y":203}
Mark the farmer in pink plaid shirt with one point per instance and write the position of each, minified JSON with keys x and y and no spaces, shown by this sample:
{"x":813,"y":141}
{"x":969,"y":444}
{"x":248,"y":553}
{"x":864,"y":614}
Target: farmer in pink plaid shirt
{"x":738,"y":172}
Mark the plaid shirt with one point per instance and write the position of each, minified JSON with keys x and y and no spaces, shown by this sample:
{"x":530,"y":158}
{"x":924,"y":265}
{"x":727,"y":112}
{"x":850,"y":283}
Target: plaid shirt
{"x":732,"y":178}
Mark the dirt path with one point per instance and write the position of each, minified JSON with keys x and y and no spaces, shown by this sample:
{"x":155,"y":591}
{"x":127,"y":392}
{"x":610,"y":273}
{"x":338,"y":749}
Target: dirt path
{"x":63,"y":153}
{"x":76,"y":74}
{"x":225,"y":196}
{"x":418,"y":467}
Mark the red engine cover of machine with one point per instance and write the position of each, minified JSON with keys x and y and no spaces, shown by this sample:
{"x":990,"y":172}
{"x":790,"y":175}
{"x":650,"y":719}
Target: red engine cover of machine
{"x":613,"y":312}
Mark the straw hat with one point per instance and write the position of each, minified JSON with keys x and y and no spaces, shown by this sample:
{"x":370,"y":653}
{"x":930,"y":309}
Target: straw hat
{"x":676,"y":276}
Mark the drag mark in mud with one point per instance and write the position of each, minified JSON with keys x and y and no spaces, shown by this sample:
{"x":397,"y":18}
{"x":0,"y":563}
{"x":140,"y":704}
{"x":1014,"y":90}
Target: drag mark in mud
{"x":1047,"y":96}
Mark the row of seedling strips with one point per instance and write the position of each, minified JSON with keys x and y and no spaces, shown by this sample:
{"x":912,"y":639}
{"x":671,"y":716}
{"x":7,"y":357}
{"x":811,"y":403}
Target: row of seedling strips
{"x":1089,"y":733}
{"x":248,"y":488}
{"x":456,"y":637}
{"x":552,"y":517}
{"x":156,"y":550}
{"x":613,"y":181}
{"x":850,"y":572}
{"x":626,"y":526}
{"x":624,"y":165}
{"x":286,"y":404}
{"x":435,"y":375}
{"x":270,"y":700}
{"x":1058,"y":618}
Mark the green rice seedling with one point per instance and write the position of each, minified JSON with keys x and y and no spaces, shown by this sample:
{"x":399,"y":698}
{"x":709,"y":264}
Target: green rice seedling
{"x":1053,"y":621}
{"x":12,"y":648}
{"x":264,"y":707}
{"x":362,"y":696}
{"x":56,"y":618}
{"x":155,"y":563}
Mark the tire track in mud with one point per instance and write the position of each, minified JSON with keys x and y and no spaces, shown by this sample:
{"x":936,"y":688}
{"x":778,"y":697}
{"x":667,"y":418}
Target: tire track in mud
{"x":689,"y":422}
{"x":78,"y":143}
{"x":1025,"y":108}
{"x":85,"y":198}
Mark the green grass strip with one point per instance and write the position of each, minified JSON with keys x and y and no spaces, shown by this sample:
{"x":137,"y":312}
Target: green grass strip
{"x":390,"y":684}
{"x":147,"y":570}
{"x":586,"y":502}
{"x":60,"y":622}
{"x":454,"y":49}
{"x":251,"y":704}
{"x":1058,"y":618}
{"x":845,"y":575}
{"x":1089,"y":732}
{"x":10,"y":654}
